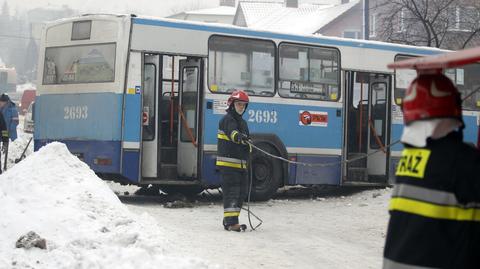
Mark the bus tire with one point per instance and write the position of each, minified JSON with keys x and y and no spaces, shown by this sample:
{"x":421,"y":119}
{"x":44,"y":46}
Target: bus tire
{"x":184,"y":190}
{"x":267,"y":173}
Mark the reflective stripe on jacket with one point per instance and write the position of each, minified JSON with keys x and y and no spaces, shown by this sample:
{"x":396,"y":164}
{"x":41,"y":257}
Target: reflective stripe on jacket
{"x":435,"y":207}
{"x":232,"y":154}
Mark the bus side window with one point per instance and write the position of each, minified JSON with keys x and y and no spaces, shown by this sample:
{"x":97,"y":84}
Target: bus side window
{"x":467,"y":81}
{"x":403,"y":77}
{"x":241,"y":63}
{"x":149,"y":101}
{"x":309,"y":72}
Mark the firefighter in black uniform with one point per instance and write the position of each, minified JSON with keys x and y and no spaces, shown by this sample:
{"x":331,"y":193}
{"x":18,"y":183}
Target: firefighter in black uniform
{"x":233,"y":153}
{"x":4,"y":133}
{"x":434,"y":209}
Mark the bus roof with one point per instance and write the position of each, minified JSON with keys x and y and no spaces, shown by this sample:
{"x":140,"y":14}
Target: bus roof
{"x":442,"y":61}
{"x":238,"y":30}
{"x":324,"y":40}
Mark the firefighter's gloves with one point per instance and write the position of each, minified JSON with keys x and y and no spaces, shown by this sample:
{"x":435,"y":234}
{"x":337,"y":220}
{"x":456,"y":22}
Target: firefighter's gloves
{"x":4,"y":147}
{"x":245,"y":139}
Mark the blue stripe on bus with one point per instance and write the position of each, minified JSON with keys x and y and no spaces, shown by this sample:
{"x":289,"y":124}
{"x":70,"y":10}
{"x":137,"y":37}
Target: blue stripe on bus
{"x":470,"y":133}
{"x":88,"y":116}
{"x":130,"y":165}
{"x":329,"y":175}
{"x":397,"y":130}
{"x":289,"y":37}
{"x":210,"y":175}
{"x":132,"y":124}
{"x":90,"y":150}
{"x":285,"y":125}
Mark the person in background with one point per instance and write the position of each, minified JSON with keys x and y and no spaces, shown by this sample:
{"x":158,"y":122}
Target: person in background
{"x":434,"y":209}
{"x":10,"y":115}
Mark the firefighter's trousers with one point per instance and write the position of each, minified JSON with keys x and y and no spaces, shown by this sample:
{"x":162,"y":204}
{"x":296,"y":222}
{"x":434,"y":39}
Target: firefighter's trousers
{"x":234,"y":188}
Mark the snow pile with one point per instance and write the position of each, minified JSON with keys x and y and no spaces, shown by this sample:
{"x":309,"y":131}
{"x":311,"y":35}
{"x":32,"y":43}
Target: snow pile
{"x":57,"y":196}
{"x":26,"y":86}
{"x":16,"y":148}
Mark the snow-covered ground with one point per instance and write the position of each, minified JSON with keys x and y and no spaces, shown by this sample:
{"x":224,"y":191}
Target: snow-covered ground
{"x":86,"y":226}
{"x":326,"y":232}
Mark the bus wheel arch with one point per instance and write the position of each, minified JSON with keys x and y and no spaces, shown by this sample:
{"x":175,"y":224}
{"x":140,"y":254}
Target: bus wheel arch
{"x":268,"y":173}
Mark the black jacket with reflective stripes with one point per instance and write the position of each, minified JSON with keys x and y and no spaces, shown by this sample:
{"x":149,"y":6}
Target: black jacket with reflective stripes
{"x":435,"y":207}
{"x":232,"y":153}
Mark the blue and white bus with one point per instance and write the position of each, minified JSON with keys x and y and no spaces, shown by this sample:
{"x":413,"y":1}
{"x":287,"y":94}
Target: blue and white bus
{"x":139,"y":99}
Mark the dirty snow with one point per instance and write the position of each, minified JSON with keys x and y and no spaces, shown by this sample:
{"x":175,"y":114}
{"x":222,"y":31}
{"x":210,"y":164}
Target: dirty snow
{"x":343,"y":231}
{"x":16,"y":148}
{"x":86,"y":226}
{"x":26,"y":86}
{"x":57,"y":196}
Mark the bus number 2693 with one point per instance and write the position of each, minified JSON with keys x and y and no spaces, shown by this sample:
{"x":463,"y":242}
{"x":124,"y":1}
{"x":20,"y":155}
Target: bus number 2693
{"x":75,"y":112}
{"x":262,"y":116}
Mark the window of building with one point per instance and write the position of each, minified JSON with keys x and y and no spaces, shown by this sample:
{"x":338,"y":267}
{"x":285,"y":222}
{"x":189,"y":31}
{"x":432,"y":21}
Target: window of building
{"x":373,"y":25}
{"x":241,"y":63}
{"x":399,"y":25}
{"x":463,"y":18}
{"x":309,"y":72}
{"x":468,"y":18}
{"x":355,"y":34}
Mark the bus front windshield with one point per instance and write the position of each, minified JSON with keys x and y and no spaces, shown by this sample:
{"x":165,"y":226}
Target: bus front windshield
{"x":79,"y":64}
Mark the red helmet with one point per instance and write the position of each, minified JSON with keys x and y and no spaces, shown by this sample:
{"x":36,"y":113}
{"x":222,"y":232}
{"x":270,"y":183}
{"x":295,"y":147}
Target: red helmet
{"x":237,"y":95}
{"x":431,"y":96}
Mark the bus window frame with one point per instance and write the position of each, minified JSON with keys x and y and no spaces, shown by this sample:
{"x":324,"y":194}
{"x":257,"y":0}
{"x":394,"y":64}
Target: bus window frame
{"x":406,"y":56}
{"x":275,"y":60}
{"x":89,"y":31}
{"x":476,"y":109}
{"x":181,"y":127}
{"x":81,"y":45}
{"x":339,"y":94}
{"x":416,"y":56}
{"x":154,"y":100}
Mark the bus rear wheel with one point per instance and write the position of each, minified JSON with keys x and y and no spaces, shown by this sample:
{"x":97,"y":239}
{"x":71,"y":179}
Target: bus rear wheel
{"x":266,"y":172}
{"x":184,"y":190}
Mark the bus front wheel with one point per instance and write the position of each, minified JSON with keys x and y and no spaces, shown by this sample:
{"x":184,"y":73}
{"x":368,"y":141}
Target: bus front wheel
{"x":267,"y":173}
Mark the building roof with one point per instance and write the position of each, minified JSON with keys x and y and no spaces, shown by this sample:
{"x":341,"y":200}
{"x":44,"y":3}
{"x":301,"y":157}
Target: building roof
{"x":274,"y":16}
{"x":220,"y":11}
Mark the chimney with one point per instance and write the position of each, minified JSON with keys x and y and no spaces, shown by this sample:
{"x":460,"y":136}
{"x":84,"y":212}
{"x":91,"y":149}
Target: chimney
{"x":291,"y":3}
{"x":227,"y":3}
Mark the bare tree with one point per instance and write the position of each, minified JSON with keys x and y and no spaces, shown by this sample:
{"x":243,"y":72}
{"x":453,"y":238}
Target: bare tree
{"x":451,"y":24}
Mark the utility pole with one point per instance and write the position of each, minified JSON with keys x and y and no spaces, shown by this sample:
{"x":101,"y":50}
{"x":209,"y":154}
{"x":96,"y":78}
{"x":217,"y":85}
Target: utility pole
{"x":366,"y":18}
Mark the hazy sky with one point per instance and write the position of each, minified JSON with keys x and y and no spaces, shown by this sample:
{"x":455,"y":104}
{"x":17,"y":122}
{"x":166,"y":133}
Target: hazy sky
{"x":144,"y":7}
